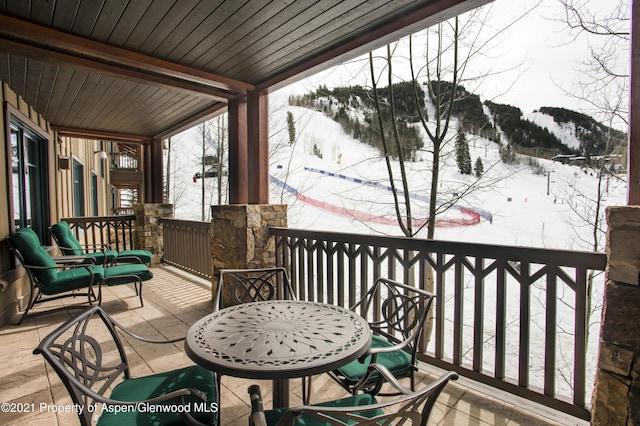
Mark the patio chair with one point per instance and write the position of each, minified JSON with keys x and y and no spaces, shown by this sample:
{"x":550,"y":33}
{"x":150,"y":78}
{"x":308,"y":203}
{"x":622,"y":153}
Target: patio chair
{"x":396,"y":314}
{"x":88,"y":355}
{"x":101,"y":253}
{"x":252,"y":285}
{"x":255,"y":285}
{"x":358,"y":409}
{"x":50,"y":280}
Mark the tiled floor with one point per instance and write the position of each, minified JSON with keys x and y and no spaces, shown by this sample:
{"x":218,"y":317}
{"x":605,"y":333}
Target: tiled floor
{"x":173,"y":301}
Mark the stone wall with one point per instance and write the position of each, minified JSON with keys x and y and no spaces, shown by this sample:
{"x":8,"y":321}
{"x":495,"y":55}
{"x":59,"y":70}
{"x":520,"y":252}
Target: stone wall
{"x":240,"y":236}
{"x":616,"y":397}
{"x":148,"y":228}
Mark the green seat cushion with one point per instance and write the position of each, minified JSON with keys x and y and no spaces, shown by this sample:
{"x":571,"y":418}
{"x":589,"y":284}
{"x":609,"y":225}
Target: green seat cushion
{"x":122,"y":274}
{"x":26,"y":241}
{"x":397,"y":362}
{"x":143,"y":388}
{"x":100,"y":257}
{"x":134,"y":255}
{"x":74,"y":279}
{"x":68,"y":243}
{"x":274,"y":416}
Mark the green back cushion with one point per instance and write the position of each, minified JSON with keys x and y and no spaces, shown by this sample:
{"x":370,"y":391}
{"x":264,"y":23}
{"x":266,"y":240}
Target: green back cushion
{"x":28,"y":244}
{"x":65,"y":238}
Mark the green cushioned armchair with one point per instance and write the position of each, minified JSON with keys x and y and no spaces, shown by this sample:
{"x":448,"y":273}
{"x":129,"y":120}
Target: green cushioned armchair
{"x":88,"y":355}
{"x":49,"y":280}
{"x":358,"y":409}
{"x":396,"y":313}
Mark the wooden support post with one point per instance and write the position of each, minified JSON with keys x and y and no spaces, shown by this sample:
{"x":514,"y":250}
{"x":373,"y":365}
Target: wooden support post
{"x":238,"y":152}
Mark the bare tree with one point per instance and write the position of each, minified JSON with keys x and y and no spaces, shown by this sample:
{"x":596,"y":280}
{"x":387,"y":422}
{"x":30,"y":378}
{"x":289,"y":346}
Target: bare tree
{"x":604,"y":81}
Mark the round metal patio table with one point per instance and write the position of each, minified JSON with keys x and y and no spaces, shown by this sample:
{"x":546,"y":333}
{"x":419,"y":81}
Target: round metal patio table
{"x":278,"y":340}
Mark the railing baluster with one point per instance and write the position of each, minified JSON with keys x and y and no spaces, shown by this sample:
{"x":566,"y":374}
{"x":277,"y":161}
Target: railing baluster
{"x":550,"y":332}
{"x":478,"y":316}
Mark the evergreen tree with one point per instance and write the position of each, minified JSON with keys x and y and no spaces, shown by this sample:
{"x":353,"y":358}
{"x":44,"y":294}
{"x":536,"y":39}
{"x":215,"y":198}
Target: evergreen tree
{"x":463,"y":158}
{"x":479,"y":167}
{"x":292,"y":128}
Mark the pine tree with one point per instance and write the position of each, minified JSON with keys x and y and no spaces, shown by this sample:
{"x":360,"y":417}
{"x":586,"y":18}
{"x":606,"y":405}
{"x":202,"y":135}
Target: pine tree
{"x":292,"y":128}
{"x":463,"y":158}
{"x":479,"y":167}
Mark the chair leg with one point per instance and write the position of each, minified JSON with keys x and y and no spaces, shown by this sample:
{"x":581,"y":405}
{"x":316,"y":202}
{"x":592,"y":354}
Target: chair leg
{"x":33,"y":296}
{"x":138,"y":287}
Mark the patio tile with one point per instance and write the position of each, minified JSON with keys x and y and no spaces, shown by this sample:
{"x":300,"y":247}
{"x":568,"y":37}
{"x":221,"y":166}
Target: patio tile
{"x":172,"y":303}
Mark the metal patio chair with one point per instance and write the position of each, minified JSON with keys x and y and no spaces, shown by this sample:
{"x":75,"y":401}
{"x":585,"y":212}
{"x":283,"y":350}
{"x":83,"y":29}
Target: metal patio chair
{"x":88,"y":355}
{"x":358,"y":409}
{"x":396,"y":314}
{"x":237,"y":286}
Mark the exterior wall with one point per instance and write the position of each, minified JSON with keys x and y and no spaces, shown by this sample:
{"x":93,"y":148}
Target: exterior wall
{"x":83,"y":151}
{"x":12,"y":296}
{"x":616,"y":398}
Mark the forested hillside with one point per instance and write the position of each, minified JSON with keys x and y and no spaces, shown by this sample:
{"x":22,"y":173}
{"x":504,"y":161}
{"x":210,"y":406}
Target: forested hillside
{"x":356,"y":110}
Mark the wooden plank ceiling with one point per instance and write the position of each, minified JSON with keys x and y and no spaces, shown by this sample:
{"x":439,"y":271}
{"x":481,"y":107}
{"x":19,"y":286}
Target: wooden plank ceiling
{"x":141,"y":69}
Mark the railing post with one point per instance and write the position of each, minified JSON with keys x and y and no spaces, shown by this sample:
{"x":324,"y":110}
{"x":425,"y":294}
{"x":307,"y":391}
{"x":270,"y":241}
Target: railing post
{"x":240,"y":236}
{"x":616,"y":399}
{"x":148,"y":228}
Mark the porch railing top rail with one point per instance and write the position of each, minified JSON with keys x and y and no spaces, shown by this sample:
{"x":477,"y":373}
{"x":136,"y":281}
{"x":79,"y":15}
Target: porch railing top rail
{"x":563,"y":257}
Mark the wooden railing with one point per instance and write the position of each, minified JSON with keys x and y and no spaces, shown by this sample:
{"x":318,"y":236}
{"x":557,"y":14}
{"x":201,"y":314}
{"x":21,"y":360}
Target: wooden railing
{"x":514,"y":318}
{"x":187,"y":245}
{"x":117,"y":231}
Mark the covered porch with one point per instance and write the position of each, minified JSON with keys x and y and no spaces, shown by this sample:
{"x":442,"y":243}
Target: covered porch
{"x":173,"y":301}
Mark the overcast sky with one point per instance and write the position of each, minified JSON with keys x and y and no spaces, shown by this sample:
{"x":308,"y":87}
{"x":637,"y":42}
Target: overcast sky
{"x":543,"y":55}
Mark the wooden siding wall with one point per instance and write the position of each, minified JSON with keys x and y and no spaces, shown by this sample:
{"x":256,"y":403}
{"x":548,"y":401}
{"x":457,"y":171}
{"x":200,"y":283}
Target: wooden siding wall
{"x":17,"y":287}
{"x":83,"y":151}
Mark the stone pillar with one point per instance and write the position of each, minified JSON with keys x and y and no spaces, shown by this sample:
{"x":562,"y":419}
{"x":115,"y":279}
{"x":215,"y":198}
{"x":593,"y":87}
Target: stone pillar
{"x":240,"y":236}
{"x":148,"y":228}
{"x":616,"y":397}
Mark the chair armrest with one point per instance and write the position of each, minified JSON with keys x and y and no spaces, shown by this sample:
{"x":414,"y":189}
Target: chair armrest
{"x":124,"y":330}
{"x":383,"y":375}
{"x":88,"y":266}
{"x":257,"y":417}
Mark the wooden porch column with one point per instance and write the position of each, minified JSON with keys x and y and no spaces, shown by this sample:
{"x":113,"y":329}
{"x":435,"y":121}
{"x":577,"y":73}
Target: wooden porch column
{"x":238,"y":157}
{"x":633,"y":166}
{"x":153,"y":172}
{"x":258,"y":144}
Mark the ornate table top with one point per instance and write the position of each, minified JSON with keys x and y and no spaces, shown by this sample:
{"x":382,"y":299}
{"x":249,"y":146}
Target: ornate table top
{"x":277,"y":339}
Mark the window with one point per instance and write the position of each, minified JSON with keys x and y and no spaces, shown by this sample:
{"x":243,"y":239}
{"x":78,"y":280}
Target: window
{"x":78,"y":188}
{"x":94,"y":193}
{"x":29,"y":197}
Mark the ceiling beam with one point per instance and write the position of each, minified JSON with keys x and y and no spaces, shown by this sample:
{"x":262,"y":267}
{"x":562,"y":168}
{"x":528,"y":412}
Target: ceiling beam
{"x":63,"y":59}
{"x":52,"y":39}
{"x":72,"y":132}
